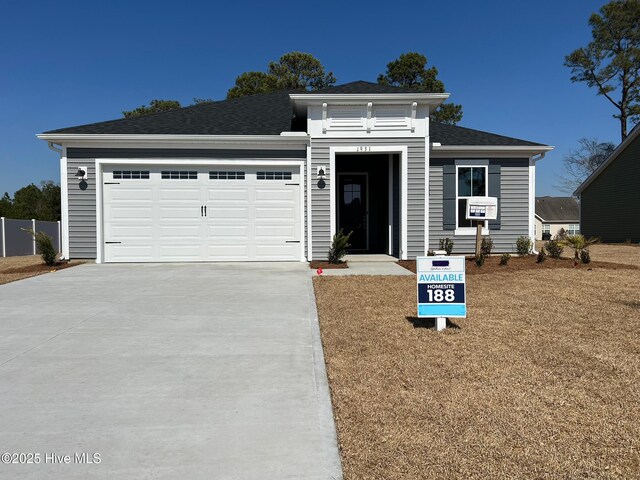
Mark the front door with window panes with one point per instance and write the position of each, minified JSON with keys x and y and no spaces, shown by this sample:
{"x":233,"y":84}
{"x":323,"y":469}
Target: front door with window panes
{"x":352,"y":209}
{"x":472,"y":182}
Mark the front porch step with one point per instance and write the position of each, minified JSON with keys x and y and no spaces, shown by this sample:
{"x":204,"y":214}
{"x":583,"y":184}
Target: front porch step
{"x":357,"y":258}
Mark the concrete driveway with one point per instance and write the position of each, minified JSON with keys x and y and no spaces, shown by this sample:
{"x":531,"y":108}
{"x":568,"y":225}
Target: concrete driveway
{"x":203,"y":371}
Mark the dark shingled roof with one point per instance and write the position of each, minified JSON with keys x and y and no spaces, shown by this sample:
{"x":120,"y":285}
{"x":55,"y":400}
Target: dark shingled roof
{"x":455,"y":135}
{"x":558,"y":209}
{"x":262,"y":114}
{"x":362,"y":87}
{"x":267,"y":114}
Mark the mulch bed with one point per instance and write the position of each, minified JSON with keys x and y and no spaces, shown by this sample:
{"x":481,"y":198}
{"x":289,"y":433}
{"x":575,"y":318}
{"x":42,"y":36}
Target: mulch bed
{"x":40,"y":268}
{"x":492,"y":265}
{"x":316,"y":264}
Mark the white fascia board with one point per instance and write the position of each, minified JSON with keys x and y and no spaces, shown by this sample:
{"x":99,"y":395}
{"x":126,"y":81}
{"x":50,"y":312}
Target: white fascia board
{"x":493,"y":150}
{"x":630,"y":138}
{"x":363,"y":98}
{"x":137,"y":140}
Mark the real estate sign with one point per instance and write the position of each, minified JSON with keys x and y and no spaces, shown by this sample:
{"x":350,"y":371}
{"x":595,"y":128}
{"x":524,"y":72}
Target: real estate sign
{"x":441,"y":287}
{"x":482,"y":208}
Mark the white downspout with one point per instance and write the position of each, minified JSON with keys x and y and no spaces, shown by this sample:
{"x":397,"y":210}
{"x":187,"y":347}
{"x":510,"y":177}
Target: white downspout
{"x":532,"y":198}
{"x":63,"y":193}
{"x":55,"y":149}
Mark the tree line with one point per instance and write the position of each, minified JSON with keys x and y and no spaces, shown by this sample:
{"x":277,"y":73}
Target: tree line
{"x":302,"y":71}
{"x":33,"y":202}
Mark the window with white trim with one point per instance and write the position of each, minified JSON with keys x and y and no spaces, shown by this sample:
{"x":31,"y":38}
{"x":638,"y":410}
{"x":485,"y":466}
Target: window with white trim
{"x":471,"y":181}
{"x":131,"y":174}
{"x":179,"y":175}
{"x":546,"y":228}
{"x":574,"y":229}
{"x":274,"y":175}
{"x":226,"y":175}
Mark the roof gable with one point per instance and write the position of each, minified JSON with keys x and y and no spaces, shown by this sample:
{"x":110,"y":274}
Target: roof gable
{"x":633,"y":135}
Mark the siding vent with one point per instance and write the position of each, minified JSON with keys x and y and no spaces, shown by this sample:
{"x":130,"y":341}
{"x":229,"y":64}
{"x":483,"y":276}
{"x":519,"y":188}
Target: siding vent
{"x":179,"y":175}
{"x":226,"y":175}
{"x":130,"y":175}
{"x":274,"y":175}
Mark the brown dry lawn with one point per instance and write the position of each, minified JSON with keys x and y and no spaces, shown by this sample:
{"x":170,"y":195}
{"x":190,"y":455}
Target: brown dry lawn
{"x":542,"y":380}
{"x":17,"y":268}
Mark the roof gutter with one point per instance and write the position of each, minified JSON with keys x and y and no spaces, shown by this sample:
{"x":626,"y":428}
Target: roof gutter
{"x":499,"y":150}
{"x":52,"y":146}
{"x":89,"y":139}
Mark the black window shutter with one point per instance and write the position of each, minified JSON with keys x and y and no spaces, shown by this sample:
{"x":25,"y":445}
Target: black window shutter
{"x":449,"y":197}
{"x":494,"y":191}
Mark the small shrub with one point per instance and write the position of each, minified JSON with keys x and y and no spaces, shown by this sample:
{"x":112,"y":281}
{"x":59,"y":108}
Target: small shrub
{"x":44,"y":243}
{"x":480,"y":260}
{"x":431,"y":253}
{"x":486,"y":246}
{"x":523,"y":245}
{"x":446,"y":244}
{"x":504,"y":259}
{"x":585,"y":257}
{"x":553,"y":248}
{"x":561,"y":235}
{"x":339,"y":246}
{"x":578,"y":243}
{"x":541,"y":256}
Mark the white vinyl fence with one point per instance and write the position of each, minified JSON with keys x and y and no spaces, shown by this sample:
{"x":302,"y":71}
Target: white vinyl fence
{"x":16,"y":242}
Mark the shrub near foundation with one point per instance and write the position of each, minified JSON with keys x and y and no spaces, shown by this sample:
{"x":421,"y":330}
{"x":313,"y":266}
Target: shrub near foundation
{"x":486,"y":246}
{"x":446,"y":244}
{"x":553,"y":248}
{"x":339,"y":246}
{"x":523,"y":245}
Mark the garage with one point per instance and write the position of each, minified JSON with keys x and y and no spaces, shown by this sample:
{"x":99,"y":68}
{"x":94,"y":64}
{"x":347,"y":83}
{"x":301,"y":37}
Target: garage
{"x":182,"y":213}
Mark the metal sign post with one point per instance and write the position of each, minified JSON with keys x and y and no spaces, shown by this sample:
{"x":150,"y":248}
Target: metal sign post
{"x":441,"y":288}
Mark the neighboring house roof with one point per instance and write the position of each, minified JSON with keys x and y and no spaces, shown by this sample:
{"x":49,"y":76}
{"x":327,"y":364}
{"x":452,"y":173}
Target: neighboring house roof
{"x":557,"y":209}
{"x":268,"y":114}
{"x":619,"y":149}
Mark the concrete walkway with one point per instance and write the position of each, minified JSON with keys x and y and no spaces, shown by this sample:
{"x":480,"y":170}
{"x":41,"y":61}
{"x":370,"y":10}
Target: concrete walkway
{"x":368,"y":265}
{"x":199,"y":371}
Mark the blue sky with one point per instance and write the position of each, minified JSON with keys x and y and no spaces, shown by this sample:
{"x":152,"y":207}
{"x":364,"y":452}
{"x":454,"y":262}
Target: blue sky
{"x":72,"y":62}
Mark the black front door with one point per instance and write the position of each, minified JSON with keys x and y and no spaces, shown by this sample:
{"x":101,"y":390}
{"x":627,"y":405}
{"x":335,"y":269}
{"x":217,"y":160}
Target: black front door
{"x":352,"y":209}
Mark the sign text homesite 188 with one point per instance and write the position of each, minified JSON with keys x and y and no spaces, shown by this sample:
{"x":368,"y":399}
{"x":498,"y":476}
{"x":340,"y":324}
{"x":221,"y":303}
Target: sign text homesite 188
{"x":441,"y":288}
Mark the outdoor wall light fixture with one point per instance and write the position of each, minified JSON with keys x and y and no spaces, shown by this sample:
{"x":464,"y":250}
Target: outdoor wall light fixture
{"x":321,"y":176}
{"x":81,"y":174}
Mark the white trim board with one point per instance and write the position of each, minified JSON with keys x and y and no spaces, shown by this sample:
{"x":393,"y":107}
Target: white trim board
{"x":403,"y":150}
{"x":100,"y":162}
{"x":64,"y":197}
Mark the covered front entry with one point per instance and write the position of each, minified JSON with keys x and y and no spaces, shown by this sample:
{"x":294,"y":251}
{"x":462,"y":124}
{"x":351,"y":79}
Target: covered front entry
{"x":178,"y":213}
{"x":367,"y":202}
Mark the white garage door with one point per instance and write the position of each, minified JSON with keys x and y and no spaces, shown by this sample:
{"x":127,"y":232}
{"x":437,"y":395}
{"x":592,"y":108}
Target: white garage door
{"x":179,"y":214}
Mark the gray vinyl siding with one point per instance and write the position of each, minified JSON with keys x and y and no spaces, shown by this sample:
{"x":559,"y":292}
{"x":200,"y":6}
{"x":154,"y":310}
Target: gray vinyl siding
{"x":609,"y":204}
{"x":320,"y":198}
{"x":82,"y":203}
{"x":82,"y":209}
{"x":514,"y":207}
